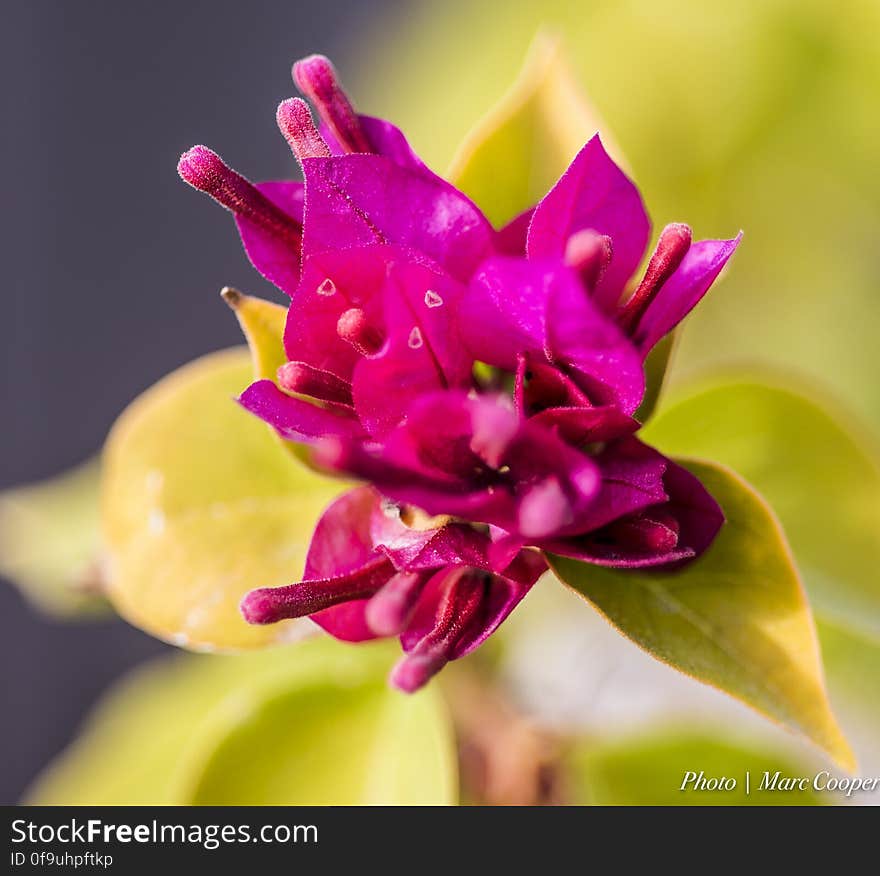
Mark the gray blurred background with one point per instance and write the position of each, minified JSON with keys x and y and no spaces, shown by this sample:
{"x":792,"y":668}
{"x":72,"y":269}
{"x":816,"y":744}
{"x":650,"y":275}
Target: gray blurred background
{"x":112,"y":265}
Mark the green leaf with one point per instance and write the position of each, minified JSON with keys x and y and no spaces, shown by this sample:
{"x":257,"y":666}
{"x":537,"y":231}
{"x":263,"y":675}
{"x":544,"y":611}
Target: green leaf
{"x":518,"y":151}
{"x":131,"y":744}
{"x":199,"y":505}
{"x":736,"y":618}
{"x":50,"y":541}
{"x":853,"y":665}
{"x":816,"y":470}
{"x":650,"y":770}
{"x":150,"y":739}
{"x":328,"y":744}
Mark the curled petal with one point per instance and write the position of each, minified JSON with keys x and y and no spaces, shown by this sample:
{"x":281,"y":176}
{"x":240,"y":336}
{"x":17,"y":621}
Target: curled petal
{"x":295,"y":419}
{"x":555,"y":401}
{"x":595,"y":194}
{"x":580,"y":426}
{"x":540,"y":385}
{"x":304,"y":379}
{"x":456,"y":612}
{"x":633,"y":478}
{"x":447,"y":544}
{"x":665,"y":535}
{"x":682,"y":291}
{"x":388,"y":613}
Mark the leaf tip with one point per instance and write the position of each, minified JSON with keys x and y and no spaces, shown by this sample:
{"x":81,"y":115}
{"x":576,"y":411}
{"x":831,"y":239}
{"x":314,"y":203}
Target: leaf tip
{"x":232,"y":297}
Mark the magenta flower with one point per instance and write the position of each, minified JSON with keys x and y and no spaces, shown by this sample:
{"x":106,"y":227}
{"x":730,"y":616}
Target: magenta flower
{"x":370,"y":574}
{"x":399,"y":289}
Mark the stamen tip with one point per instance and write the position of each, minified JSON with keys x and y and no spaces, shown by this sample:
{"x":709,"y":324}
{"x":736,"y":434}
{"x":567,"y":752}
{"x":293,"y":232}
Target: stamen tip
{"x":198,"y":165}
{"x":297,"y":127}
{"x":311,"y":71}
{"x":330,"y":453}
{"x":589,"y":254}
{"x":678,"y":232}
{"x":383,"y":620}
{"x":317,"y":80}
{"x":413,"y":672}
{"x":258,"y":606}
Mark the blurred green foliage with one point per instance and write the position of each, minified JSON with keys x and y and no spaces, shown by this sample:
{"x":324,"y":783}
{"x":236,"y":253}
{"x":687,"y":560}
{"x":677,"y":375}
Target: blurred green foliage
{"x":50,"y":542}
{"x":309,"y":724}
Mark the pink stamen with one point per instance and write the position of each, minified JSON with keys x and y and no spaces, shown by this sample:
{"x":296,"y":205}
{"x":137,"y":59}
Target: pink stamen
{"x":543,"y":509}
{"x":458,"y":607}
{"x":354,"y":328}
{"x":674,"y":242}
{"x":268,"y":605}
{"x":317,"y":80}
{"x":296,"y":125}
{"x":305,"y":379}
{"x":388,"y":613}
{"x":204,"y":170}
{"x":589,"y":254}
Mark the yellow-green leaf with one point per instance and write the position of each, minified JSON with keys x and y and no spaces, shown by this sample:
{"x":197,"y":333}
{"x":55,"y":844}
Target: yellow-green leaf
{"x":650,"y":771}
{"x":262,"y":323}
{"x":816,"y":470}
{"x":515,"y":154}
{"x":150,"y":739}
{"x":328,"y":744}
{"x":130,"y":746}
{"x":199,"y":505}
{"x":736,"y":618}
{"x":50,"y":541}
